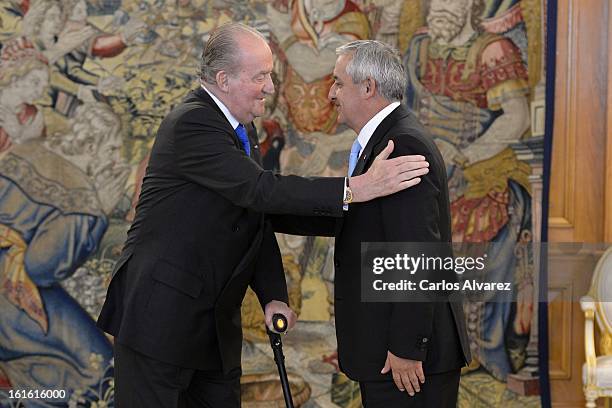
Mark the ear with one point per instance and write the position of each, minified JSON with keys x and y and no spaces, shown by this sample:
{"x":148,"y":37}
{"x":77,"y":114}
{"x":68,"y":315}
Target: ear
{"x":369,"y":88}
{"x":222,"y":79}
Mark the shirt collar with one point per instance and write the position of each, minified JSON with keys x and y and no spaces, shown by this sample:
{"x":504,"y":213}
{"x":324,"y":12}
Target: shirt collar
{"x":230,"y":118}
{"x":368,"y":130}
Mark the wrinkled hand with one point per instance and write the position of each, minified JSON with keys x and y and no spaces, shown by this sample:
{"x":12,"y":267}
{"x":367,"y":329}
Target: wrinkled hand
{"x":407,"y":374}
{"x":388,"y":176}
{"x":276,"y":306}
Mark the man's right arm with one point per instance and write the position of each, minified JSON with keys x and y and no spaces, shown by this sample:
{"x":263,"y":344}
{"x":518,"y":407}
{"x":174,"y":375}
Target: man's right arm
{"x":206,"y":155}
{"x":304,"y":225}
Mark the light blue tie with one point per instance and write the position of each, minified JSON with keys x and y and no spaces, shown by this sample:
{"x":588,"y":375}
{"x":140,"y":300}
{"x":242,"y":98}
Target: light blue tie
{"x":244,"y":139}
{"x":354,"y":156}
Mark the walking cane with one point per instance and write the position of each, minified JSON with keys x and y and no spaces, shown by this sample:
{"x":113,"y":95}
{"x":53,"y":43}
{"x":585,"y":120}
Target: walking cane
{"x":279,"y":322}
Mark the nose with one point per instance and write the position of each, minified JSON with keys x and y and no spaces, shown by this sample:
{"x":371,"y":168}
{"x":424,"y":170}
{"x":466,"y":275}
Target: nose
{"x":331,"y":95}
{"x":269,"y":85}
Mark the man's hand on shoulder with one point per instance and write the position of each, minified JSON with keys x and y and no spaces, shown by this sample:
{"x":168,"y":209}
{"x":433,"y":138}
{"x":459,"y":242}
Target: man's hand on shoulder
{"x":388,"y":176}
{"x":276,"y":306}
{"x":407,"y":374}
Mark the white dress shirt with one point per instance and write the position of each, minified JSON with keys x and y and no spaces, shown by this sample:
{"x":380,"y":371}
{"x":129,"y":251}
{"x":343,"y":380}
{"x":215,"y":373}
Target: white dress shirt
{"x":368,"y":130}
{"x":230,"y":118}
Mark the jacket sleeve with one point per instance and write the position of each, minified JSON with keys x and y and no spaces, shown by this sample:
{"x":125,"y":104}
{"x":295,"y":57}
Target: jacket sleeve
{"x":304,"y":225}
{"x":207,"y":155}
{"x":412,"y":216}
{"x":269,"y":277}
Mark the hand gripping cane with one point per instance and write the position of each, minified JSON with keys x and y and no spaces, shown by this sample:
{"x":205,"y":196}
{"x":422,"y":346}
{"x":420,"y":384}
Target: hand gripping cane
{"x":279,"y":322}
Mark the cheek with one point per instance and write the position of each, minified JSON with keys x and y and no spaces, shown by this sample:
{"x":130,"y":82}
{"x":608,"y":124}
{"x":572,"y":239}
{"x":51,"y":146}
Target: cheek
{"x":255,"y":94}
{"x":248,"y":92}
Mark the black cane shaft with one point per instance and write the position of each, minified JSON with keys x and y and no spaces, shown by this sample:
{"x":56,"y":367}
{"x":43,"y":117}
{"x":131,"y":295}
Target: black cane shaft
{"x":279,"y":359}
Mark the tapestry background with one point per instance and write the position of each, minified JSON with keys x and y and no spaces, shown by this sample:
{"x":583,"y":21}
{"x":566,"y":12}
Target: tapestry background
{"x":84,"y":85}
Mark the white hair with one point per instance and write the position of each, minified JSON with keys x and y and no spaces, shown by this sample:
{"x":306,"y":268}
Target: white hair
{"x":379,"y":62}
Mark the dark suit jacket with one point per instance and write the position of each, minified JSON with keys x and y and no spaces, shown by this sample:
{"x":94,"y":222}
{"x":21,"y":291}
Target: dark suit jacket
{"x":199,"y":239}
{"x":432,"y":332}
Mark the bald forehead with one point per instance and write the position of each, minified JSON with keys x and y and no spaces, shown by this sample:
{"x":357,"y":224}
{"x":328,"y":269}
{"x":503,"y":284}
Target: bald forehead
{"x":248,"y":41}
{"x":251,"y":47}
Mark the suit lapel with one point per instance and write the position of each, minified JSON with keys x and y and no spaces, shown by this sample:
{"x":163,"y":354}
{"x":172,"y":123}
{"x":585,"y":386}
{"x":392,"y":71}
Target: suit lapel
{"x":254,"y":141}
{"x":366,"y":158}
{"x":378,"y":136}
{"x":251,"y":130}
{"x":203,"y":96}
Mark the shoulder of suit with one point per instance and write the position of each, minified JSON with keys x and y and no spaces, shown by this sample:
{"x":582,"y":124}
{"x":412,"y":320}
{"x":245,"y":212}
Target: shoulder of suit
{"x":411,"y":130}
{"x":194,"y":109}
{"x":411,"y":137}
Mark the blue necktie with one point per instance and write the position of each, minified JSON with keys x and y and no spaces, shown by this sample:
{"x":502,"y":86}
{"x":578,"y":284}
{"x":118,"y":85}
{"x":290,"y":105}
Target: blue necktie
{"x":244,"y":139}
{"x":354,"y":156}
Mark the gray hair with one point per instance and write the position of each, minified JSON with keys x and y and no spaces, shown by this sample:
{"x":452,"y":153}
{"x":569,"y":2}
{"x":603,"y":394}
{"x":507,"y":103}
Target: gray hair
{"x":221,"y":50}
{"x":378,"y":61}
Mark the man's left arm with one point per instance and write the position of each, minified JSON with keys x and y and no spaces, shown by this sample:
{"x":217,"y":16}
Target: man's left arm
{"x":411,"y":216}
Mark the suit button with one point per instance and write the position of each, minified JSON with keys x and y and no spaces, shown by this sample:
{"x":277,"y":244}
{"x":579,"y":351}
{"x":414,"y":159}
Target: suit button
{"x":337,"y":263}
{"x":235,"y":228}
